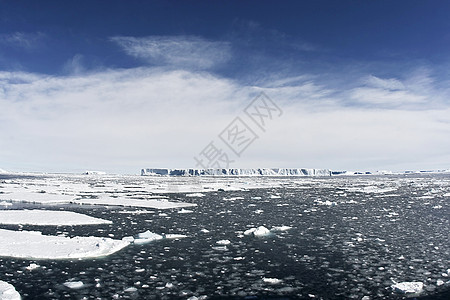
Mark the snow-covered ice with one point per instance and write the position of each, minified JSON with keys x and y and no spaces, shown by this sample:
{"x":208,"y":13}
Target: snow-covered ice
{"x":148,"y":203}
{"x":47,"y":217}
{"x":35,"y":245}
{"x":8,"y":292}
{"x":408,"y":287}
{"x":75,"y":285}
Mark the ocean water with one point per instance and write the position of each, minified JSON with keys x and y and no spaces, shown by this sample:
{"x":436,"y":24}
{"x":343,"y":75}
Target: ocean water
{"x":350,"y":237}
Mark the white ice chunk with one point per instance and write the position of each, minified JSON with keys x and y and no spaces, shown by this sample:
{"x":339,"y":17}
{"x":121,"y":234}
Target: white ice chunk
{"x":272,"y":280}
{"x":261,"y":231}
{"x":32,"y":267}
{"x":74,"y":284}
{"x":408,"y":287}
{"x":195,"y":195}
{"x":47,"y":217}
{"x":174,"y":236}
{"x":281,"y":228}
{"x":8,"y":292}
{"x":151,"y":236}
{"x":249,"y":231}
{"x":34,"y":245}
{"x":223,"y":242}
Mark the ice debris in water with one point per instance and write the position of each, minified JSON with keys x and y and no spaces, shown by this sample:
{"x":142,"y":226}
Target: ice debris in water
{"x":223,"y":242}
{"x":148,"y":236}
{"x":263,"y":231}
{"x":74,"y":284}
{"x":272,"y":280}
{"x":408,"y":287}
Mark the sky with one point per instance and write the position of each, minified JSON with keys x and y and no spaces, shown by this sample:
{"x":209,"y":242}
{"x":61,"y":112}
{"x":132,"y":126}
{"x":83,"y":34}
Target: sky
{"x":118,"y":86}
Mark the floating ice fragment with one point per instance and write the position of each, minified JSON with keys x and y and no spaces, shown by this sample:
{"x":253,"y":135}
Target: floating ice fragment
{"x":130,"y":290}
{"x":8,"y":292}
{"x":74,"y":284}
{"x":414,"y":287}
{"x":185,"y":211}
{"x":31,"y":267}
{"x":223,"y":242}
{"x":261,"y":231}
{"x":281,"y":228}
{"x":272,"y":280}
{"x":439,"y":282}
{"x":174,"y":236}
{"x":195,"y":195}
{"x":249,"y":231}
{"x":204,"y":230}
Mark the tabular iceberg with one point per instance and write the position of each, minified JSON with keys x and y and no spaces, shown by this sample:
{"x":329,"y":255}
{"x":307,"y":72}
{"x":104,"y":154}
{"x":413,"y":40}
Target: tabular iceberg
{"x":236,"y":172}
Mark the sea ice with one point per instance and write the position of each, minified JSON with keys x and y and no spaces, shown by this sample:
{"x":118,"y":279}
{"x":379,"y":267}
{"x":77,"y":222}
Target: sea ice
{"x":408,"y":287}
{"x":8,"y":292}
{"x":272,"y":280}
{"x":36,"y":197}
{"x":147,"y":203}
{"x":47,"y":217}
{"x":74,"y":284}
{"x":281,"y":228}
{"x":34,"y":245}
{"x":223,"y":242}
{"x":261,"y":231}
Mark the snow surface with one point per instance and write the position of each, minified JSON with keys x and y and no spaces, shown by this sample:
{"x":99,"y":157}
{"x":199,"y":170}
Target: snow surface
{"x":8,"y":292}
{"x":47,"y":217}
{"x":34,"y":245}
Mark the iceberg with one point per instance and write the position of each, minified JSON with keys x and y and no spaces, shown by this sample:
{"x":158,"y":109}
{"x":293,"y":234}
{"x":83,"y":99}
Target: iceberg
{"x":8,"y":292}
{"x":236,"y":172}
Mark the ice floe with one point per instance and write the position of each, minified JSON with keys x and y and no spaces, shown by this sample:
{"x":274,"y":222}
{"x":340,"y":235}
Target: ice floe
{"x":75,"y":285}
{"x":147,"y":203}
{"x":47,"y":217}
{"x":272,"y":280}
{"x":408,"y":287}
{"x":35,"y":245}
{"x":148,"y":236}
{"x":223,"y":242}
{"x":8,"y":292}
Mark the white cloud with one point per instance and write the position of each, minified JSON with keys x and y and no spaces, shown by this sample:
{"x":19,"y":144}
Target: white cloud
{"x":123,"y":120}
{"x":387,"y":84}
{"x":25,"y":40}
{"x":181,"y":51}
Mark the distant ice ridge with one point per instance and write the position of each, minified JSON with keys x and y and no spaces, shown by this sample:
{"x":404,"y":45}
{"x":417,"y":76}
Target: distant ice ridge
{"x":236,"y":172}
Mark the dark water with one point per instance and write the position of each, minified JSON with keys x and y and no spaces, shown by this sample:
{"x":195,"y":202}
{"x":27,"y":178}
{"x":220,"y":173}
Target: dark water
{"x":353,"y":248}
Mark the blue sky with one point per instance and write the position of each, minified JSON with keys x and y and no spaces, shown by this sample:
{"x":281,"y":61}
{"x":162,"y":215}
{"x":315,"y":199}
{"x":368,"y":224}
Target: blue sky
{"x":123,"y":85}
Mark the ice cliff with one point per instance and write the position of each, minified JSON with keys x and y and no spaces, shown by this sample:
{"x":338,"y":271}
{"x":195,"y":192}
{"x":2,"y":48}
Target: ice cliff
{"x":236,"y":172}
